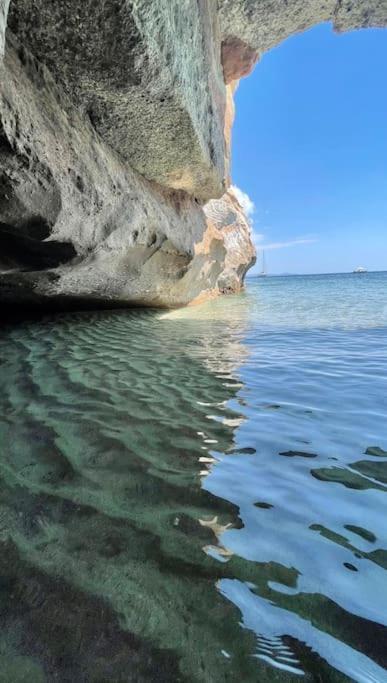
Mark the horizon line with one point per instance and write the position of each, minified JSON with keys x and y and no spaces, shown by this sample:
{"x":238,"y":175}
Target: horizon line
{"x":286,"y":274}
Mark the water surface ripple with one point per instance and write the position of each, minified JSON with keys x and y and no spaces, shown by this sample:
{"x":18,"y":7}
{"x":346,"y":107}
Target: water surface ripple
{"x":198,"y":495}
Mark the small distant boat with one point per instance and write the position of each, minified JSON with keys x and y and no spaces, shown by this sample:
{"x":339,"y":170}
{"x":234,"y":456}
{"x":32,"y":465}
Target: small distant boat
{"x":360,"y":269}
{"x":263,"y":271}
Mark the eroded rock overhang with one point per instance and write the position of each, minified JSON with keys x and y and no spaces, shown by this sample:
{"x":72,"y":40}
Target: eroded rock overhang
{"x":150,"y":74}
{"x":146,"y":73}
{"x":263,"y":24}
{"x":115,"y":130}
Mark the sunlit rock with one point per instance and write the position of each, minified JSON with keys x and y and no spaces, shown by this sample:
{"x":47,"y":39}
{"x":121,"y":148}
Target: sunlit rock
{"x":226,"y":217}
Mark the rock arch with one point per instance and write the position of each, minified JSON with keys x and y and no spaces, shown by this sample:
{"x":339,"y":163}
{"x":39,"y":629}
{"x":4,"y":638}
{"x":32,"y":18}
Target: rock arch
{"x":251,"y":27}
{"x":262,"y":24}
{"x":149,"y":74}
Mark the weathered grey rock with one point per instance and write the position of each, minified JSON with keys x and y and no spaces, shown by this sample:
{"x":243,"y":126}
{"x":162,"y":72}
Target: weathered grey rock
{"x":147,"y":73}
{"x":117,"y":130}
{"x":262,"y":24}
{"x":3,"y":23}
{"x":76,"y":223}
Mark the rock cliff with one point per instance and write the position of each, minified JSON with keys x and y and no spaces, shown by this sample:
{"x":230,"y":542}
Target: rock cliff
{"x":115,"y":125}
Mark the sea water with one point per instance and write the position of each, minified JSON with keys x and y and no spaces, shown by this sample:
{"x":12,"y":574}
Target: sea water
{"x":198,"y":495}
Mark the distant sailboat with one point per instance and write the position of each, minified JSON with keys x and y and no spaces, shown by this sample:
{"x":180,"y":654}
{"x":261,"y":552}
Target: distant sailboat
{"x":263,"y":271}
{"x":360,"y":269}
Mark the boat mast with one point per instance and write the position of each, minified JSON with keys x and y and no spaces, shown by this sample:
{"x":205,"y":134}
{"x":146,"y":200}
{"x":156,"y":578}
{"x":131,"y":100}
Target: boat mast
{"x":263,"y":271}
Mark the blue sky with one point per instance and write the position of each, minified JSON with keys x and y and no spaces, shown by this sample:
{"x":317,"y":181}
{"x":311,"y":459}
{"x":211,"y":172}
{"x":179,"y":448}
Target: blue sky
{"x":310,"y":151}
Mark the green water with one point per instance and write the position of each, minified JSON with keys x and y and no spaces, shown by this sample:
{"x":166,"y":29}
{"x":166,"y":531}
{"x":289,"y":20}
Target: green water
{"x":200,"y":495}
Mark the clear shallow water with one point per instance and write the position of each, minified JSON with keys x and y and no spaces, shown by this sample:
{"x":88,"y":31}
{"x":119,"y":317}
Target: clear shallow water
{"x":198,"y":495}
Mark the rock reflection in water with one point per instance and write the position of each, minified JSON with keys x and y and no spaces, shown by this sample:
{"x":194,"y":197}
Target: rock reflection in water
{"x":103,"y":430}
{"x":178,"y":500}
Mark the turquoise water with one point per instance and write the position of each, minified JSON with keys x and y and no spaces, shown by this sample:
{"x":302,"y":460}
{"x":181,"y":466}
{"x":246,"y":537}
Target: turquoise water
{"x":198,"y":495}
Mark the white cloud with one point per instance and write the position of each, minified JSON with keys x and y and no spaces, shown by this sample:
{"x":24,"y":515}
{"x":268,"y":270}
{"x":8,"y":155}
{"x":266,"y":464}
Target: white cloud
{"x":259,"y":238}
{"x":244,"y":200}
{"x":259,"y":242}
{"x":284,"y":245}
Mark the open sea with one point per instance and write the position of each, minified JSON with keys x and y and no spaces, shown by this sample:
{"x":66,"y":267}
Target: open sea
{"x":198,"y":495}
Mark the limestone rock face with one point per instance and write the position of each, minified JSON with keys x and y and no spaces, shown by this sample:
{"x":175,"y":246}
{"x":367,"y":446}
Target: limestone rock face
{"x":78,"y":224}
{"x":238,"y":59}
{"x":115,"y":132}
{"x":3,"y":23}
{"x":146,"y":73}
{"x":226,"y":217}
